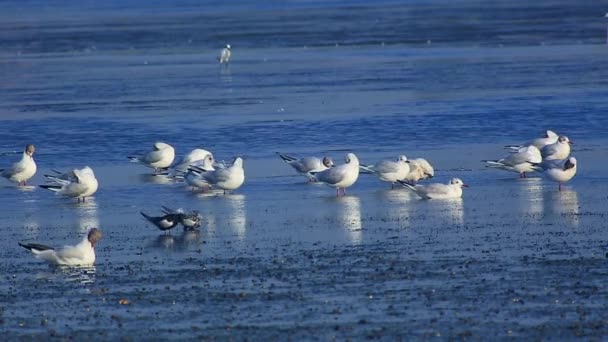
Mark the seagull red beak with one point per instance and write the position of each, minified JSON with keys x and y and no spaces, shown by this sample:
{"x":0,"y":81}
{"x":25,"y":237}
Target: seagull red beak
{"x":465,"y":186}
{"x":571,"y":142}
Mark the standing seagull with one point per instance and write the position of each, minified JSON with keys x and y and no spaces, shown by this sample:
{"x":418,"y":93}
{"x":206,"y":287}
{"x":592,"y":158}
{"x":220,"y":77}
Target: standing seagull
{"x":230,"y":178}
{"x":307,"y":165}
{"x":559,"y":171}
{"x":438,"y":191}
{"x":388,"y":170}
{"x":341,"y":176}
{"x":160,"y":158}
{"x":224,"y":57}
{"x":83,"y":254}
{"x":78,"y":184}
{"x":521,"y":161}
{"x":557,"y":151}
{"x":22,"y":170}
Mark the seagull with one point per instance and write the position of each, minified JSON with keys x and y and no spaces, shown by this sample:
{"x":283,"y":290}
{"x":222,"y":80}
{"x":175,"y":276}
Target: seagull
{"x":193,"y":177}
{"x":557,"y":151}
{"x":22,"y":170}
{"x":420,"y":169}
{"x":521,"y":161}
{"x":83,"y":254}
{"x":307,"y":165}
{"x":341,"y":176}
{"x":189,"y":221}
{"x":559,"y":171}
{"x":225,"y":55}
{"x":437,"y":190}
{"x":548,"y":138}
{"x":159,"y":159}
{"x":165,"y":222}
{"x":388,"y":170}
{"x":77,"y":183}
{"x":193,"y":157}
{"x":230,"y":178}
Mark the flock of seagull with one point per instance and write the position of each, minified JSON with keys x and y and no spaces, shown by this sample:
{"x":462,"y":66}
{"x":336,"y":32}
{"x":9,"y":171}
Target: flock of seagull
{"x":549,"y":155}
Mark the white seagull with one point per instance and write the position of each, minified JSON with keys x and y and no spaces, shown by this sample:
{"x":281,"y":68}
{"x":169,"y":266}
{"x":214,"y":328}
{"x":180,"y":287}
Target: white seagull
{"x":420,"y":169}
{"x":388,"y":170}
{"x":225,"y":55}
{"x":192,"y":158}
{"x":521,"y":161}
{"x":437,"y":190}
{"x":559,"y":150}
{"x":193,"y":176}
{"x":160,"y":158}
{"x":230,"y":178}
{"x":77,"y":183}
{"x":548,"y":138}
{"x":306,"y":165}
{"x":22,"y":170}
{"x":559,"y":171}
{"x":341,"y":176}
{"x":83,"y":254}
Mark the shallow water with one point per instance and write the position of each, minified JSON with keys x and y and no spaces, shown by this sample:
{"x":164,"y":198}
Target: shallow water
{"x":90,"y":84}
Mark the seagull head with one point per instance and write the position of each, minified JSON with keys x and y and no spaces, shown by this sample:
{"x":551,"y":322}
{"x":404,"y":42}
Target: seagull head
{"x":30,"y":149}
{"x":564,"y":140}
{"x":402,"y":158}
{"x":459,"y":182}
{"x":328,"y":162}
{"x":351,"y":158}
{"x":550,"y":134}
{"x":227,"y":46}
{"x":93,"y":236}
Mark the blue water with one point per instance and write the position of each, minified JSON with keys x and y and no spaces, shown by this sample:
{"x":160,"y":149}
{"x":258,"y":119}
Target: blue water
{"x":91,"y":83}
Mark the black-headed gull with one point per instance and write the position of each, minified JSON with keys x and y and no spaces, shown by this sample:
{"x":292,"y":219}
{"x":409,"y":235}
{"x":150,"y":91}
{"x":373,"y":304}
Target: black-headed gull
{"x":160,"y":158}
{"x":521,"y":161}
{"x":77,"y":183}
{"x":548,"y":138}
{"x":389,"y":170}
{"x":188,"y":220}
{"x":437,"y":190}
{"x":82,"y":254}
{"x":21,"y":171}
{"x":306,"y":165}
{"x":559,"y":150}
{"x":420,"y":169}
{"x":341,"y":176}
{"x":230,"y":178}
{"x":193,"y":177}
{"x":192,"y":158}
{"x":559,"y":171}
{"x":225,"y":54}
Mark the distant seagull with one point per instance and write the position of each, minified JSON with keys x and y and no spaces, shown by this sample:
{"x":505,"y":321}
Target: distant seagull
{"x":77,"y":183}
{"x":557,"y":151}
{"x":559,"y":171}
{"x":306,"y":165}
{"x":188,"y":220}
{"x":420,"y":169}
{"x":21,"y":171}
{"x":230,"y":178}
{"x":521,"y":161}
{"x":83,"y":254}
{"x":388,"y":170}
{"x":548,"y":138}
{"x":341,"y":176}
{"x":160,"y":158}
{"x":165,"y":222}
{"x":438,"y":191}
{"x":193,"y":157}
{"x":225,"y":54}
{"x":193,"y":177}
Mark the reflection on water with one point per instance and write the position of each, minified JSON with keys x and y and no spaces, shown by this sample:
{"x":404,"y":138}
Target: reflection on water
{"x":237,"y":219}
{"x":26,"y":188}
{"x":156,"y":179}
{"x":564,"y":204}
{"x":73,"y":274}
{"x":225,"y":75}
{"x":450,"y":210}
{"x":530,"y":196}
{"x":349,"y":215}
{"x":399,"y":206}
{"x":87,"y":214}
{"x":180,"y":243}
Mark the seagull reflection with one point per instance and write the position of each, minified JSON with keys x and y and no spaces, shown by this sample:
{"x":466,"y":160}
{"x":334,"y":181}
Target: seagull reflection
{"x":156,"y":179}
{"x":399,"y":201}
{"x":530,"y":193}
{"x":182,"y":243}
{"x":564,"y":204}
{"x":83,"y":275}
{"x":237,"y":219}
{"x":225,"y":75}
{"x":349,"y":215}
{"x":87,"y":214}
{"x":450,"y":210}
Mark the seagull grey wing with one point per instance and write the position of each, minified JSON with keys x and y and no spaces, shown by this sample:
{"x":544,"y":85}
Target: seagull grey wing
{"x":436,"y":189}
{"x":306,"y":164}
{"x":331,"y":176}
{"x":68,"y":252}
{"x":74,"y":189}
{"x":15,"y":168}
{"x":217,"y":176}
{"x":549,"y":150}
{"x":153,"y":157}
{"x":386,"y":166}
